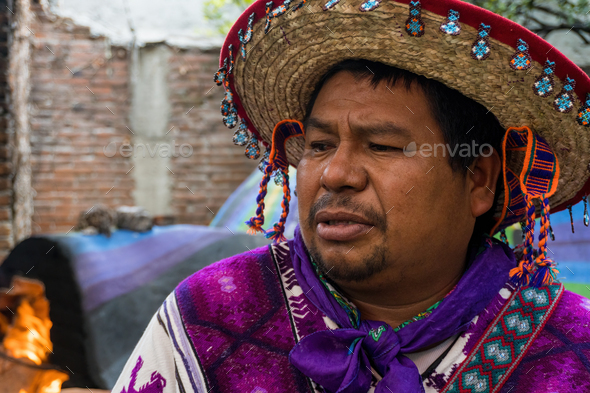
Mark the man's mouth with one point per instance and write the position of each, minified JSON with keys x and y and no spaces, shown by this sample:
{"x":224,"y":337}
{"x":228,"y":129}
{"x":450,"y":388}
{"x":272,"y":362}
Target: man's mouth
{"x":332,"y":222}
{"x":342,"y":230}
{"x":341,"y":225}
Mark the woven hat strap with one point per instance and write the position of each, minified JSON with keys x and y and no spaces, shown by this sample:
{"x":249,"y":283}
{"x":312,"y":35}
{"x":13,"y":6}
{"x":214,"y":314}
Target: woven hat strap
{"x":540,"y":171}
{"x":537,"y":179}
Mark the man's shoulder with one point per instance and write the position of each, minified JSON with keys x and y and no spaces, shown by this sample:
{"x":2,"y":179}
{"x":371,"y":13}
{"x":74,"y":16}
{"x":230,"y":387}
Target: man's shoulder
{"x":233,"y":294}
{"x":234,"y":282}
{"x":239,"y":265}
{"x":572,"y":314}
{"x":557,"y":359}
{"x":567,"y":327}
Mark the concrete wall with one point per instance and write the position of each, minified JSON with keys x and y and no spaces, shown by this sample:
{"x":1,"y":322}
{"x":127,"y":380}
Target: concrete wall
{"x":19,"y":82}
{"x":179,"y":23}
{"x":150,"y":112}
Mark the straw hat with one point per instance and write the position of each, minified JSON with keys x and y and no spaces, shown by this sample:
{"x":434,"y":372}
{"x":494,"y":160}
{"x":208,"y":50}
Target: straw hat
{"x":275,"y":54}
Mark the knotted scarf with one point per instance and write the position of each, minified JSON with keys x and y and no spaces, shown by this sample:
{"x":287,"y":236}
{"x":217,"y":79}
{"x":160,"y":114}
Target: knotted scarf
{"x":340,"y":360}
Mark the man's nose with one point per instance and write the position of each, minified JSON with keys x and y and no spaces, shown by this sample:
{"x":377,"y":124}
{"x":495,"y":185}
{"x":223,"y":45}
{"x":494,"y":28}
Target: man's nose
{"x":345,"y":169}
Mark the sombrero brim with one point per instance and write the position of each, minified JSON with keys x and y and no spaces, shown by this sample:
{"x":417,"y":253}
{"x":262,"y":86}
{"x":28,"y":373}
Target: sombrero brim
{"x":282,"y":67}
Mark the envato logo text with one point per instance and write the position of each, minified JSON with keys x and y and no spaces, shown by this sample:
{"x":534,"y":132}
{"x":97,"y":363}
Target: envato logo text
{"x":440,"y":149}
{"x":163,"y":150}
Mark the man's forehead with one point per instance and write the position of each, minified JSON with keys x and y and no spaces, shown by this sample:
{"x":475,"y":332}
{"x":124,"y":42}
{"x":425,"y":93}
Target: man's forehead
{"x":372,"y":127}
{"x":368,"y":108}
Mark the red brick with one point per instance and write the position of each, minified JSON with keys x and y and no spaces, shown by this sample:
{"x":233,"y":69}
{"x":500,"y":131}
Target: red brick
{"x":5,"y":229}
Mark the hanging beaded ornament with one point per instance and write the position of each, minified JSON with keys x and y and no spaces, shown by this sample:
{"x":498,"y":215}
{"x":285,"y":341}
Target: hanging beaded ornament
{"x":241,"y":136}
{"x":270,"y":14}
{"x":564,"y":101}
{"x":369,"y":5}
{"x":544,"y":84}
{"x":264,"y":160}
{"x":279,"y":179}
{"x":330,"y":4}
{"x":228,"y":108}
{"x":481,"y":47}
{"x":246,"y":37}
{"x":521,"y":59}
{"x":583,"y":117}
{"x":415,"y":24}
{"x":252,"y":149}
{"x":451,"y":25}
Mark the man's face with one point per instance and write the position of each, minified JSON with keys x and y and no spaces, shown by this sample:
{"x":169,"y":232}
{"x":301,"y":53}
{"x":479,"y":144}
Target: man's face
{"x":416,"y":209}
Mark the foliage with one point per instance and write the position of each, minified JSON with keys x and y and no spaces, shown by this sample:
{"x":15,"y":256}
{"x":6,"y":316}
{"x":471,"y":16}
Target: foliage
{"x":544,"y":16}
{"x":541,"y":16}
{"x":222,"y":13}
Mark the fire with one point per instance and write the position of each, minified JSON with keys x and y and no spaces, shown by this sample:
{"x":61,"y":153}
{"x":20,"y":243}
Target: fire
{"x":27,"y":336}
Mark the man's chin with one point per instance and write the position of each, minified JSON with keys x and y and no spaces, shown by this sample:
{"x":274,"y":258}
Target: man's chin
{"x":344,"y":263}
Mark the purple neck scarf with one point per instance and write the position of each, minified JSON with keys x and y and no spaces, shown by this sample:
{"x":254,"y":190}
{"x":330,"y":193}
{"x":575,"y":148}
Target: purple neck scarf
{"x":340,"y":360}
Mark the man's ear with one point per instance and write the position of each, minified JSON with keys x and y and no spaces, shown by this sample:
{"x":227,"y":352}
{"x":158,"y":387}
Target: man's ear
{"x":482,"y":178}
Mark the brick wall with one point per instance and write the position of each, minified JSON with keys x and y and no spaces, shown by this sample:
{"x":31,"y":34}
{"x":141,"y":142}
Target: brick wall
{"x":80,"y":103}
{"x":216,"y":168}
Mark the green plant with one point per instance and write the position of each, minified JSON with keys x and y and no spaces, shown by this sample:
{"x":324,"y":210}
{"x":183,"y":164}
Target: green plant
{"x":223,"y":13}
{"x":544,"y":16}
{"x":541,"y":16}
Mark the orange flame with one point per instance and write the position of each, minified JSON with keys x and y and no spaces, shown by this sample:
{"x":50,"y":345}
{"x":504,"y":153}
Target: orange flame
{"x":27,"y":337}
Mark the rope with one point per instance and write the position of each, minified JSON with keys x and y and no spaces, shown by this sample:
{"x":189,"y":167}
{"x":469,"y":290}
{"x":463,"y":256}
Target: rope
{"x":255,"y":223}
{"x":520,"y":275}
{"x":545,"y":271}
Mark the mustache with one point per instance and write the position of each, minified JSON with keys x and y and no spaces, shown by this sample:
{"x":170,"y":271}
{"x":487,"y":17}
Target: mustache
{"x":345,"y":202}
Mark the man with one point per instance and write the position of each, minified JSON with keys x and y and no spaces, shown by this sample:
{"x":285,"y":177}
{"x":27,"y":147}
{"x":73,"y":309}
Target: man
{"x":416,"y":136}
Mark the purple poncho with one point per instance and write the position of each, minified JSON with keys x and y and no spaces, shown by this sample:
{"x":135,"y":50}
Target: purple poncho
{"x":231,"y":327}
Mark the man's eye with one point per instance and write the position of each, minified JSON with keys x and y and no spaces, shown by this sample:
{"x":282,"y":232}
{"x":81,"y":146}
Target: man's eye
{"x":318,"y":146}
{"x":382,"y":147}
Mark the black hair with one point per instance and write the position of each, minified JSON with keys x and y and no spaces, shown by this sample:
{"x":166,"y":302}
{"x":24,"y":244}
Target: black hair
{"x":461,"y":119}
